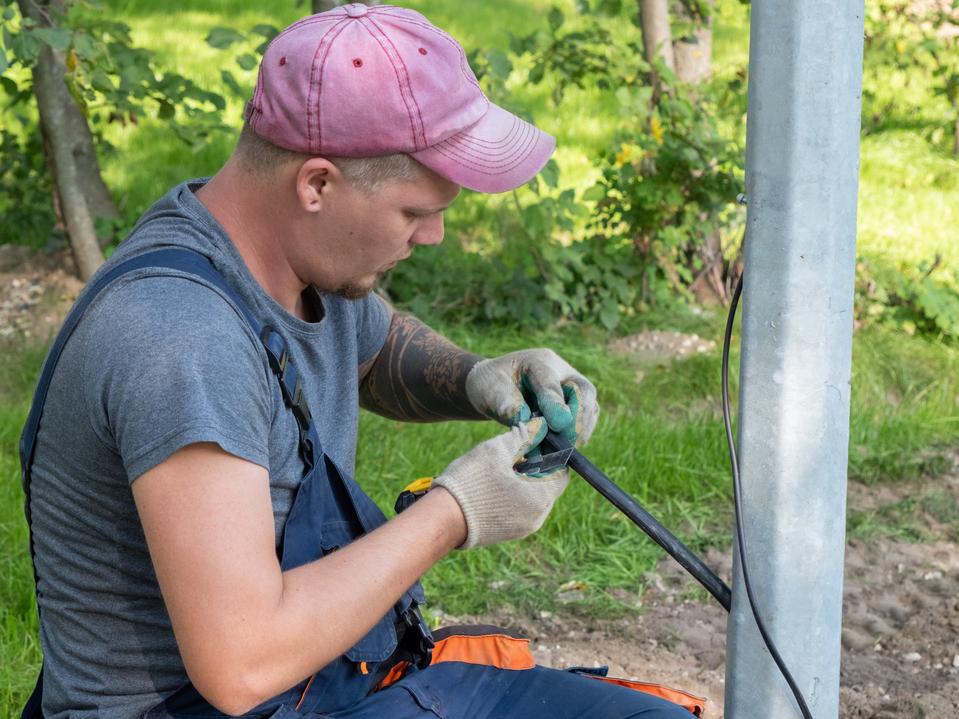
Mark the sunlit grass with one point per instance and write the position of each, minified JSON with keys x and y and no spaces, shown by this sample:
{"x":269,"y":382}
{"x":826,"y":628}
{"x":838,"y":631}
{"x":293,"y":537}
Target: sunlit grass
{"x":908,"y":199}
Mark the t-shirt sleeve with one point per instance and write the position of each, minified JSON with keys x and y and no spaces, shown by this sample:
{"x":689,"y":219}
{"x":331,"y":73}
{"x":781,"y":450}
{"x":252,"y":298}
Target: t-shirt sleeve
{"x":372,"y":325}
{"x":176,"y":365}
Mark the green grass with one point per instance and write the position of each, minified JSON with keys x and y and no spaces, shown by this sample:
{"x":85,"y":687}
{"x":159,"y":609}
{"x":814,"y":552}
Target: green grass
{"x":19,"y":642}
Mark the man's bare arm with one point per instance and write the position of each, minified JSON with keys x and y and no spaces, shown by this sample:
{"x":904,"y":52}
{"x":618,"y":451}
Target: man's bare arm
{"x":418,"y":376}
{"x":239,"y":620}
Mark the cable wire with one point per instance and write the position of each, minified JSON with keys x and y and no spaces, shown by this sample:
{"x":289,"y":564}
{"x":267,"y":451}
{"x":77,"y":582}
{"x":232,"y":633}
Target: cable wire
{"x":740,"y":527}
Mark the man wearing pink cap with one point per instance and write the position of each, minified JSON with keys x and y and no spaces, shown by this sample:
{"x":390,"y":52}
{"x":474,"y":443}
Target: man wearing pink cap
{"x":199,"y":542}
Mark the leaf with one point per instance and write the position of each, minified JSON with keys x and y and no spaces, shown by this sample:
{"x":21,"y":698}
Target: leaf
{"x":222,"y":37}
{"x":609,"y":314}
{"x":595,"y":193}
{"x":166,"y":111}
{"x":3,"y":62}
{"x":26,"y":47}
{"x":550,"y":173}
{"x":267,"y":31}
{"x":556,"y":18}
{"x":85,"y":47}
{"x":609,"y":8}
{"x":499,"y":63}
{"x":8,"y":13}
{"x":519,"y":45}
{"x":247,"y":61}
{"x":59,"y":38}
{"x":9,"y":85}
{"x":231,"y":82}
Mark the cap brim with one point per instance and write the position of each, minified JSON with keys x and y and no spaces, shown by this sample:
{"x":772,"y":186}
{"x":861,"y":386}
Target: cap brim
{"x":497,"y":154}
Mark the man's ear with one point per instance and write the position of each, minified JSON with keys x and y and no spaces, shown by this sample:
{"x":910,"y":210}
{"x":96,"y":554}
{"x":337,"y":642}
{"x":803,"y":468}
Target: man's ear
{"x":314,"y":181}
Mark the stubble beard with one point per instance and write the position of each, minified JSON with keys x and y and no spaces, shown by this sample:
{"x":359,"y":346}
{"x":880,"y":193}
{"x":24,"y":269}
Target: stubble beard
{"x":352,"y":290}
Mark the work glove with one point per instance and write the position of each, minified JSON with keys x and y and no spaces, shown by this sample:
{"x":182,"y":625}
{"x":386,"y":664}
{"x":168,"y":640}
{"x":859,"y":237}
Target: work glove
{"x":499,"y":503}
{"x":501,"y":388}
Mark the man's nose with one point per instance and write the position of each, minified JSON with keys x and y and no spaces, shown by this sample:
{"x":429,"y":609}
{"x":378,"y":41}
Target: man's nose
{"x":430,"y":231}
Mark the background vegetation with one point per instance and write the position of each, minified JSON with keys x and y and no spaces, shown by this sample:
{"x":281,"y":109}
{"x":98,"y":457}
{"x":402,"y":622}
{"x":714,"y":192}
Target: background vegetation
{"x":581,"y":256}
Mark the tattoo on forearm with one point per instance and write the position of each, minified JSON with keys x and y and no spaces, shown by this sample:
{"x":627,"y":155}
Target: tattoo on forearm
{"x":418,"y":376}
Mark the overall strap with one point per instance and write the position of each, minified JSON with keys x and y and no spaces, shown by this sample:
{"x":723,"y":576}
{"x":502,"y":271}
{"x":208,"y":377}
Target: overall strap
{"x":171,"y":258}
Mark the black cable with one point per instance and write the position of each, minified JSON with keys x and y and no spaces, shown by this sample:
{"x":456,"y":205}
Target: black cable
{"x":740,"y":528}
{"x":644,"y":520}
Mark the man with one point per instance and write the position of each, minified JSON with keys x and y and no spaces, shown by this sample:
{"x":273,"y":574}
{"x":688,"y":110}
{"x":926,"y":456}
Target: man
{"x":200,"y":546}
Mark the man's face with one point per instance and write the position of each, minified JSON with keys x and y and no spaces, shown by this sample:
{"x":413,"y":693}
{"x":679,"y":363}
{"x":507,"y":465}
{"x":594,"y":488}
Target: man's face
{"x":366,"y":235}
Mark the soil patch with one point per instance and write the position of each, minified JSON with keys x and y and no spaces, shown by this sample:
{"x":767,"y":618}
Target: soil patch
{"x":36,"y":292}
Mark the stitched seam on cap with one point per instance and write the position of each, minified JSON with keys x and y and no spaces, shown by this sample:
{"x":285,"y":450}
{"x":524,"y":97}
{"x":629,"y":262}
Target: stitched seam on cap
{"x":469,"y":146}
{"x":254,"y":118}
{"x":473,"y":160}
{"x":316,"y":145}
{"x":406,"y":89}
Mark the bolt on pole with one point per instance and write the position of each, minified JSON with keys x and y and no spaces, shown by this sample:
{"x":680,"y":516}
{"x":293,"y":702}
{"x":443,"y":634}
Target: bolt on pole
{"x":802,"y":171}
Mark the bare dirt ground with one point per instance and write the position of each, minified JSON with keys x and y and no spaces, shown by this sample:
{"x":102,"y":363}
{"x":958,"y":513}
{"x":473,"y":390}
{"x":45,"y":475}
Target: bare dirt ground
{"x":900,"y":639}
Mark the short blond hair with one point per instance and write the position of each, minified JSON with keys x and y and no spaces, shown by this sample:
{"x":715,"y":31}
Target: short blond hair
{"x":367,"y":174}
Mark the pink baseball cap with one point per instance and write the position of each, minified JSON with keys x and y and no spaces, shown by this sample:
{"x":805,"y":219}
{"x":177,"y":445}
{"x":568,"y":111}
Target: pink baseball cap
{"x":363,"y":81}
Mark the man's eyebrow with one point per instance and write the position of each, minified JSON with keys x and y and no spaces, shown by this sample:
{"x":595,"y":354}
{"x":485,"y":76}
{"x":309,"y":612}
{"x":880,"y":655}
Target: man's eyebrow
{"x":427,"y":210}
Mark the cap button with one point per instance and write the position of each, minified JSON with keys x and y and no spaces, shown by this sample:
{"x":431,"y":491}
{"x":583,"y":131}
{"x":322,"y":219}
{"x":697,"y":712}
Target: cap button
{"x":356,"y":9}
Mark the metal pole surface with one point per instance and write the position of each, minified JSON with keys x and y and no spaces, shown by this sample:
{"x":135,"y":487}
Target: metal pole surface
{"x":802,"y":170}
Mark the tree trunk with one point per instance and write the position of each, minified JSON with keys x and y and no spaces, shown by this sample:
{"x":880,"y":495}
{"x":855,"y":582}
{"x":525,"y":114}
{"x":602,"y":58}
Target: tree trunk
{"x":75,"y":126}
{"x":49,"y":90}
{"x":324,"y":5}
{"x":708,"y":288}
{"x":654,"y":19}
{"x":694,"y":58}
{"x":657,"y":39}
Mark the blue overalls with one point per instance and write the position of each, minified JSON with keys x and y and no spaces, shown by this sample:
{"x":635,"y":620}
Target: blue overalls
{"x":330,"y":511}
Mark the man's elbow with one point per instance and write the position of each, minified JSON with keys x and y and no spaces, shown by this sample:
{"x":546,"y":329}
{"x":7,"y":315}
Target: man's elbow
{"x":230,"y":689}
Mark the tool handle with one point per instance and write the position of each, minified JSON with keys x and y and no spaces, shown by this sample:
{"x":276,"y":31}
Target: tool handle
{"x":644,"y":520}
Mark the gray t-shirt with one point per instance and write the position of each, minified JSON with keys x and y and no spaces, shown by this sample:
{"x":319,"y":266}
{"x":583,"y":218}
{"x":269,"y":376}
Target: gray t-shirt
{"x":158,"y":363}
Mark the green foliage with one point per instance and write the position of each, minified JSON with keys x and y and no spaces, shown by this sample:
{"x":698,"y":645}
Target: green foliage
{"x":668,"y":182}
{"x":110,"y":79}
{"x":577,"y":58}
{"x":902,"y":36}
{"x":908,"y":297}
{"x":27,"y":216}
{"x":222,"y":38}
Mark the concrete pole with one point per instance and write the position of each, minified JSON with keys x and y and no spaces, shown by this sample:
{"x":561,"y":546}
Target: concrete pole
{"x":802,"y":168}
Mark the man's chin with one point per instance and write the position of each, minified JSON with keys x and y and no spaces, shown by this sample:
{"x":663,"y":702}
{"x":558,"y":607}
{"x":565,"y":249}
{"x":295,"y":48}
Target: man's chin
{"x":353,"y":290}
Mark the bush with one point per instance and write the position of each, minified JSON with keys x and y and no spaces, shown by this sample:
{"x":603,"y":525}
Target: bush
{"x":27,"y":216}
{"x":908,"y":298}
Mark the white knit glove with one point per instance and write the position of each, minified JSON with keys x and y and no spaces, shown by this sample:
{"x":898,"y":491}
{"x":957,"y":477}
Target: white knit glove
{"x":500,"y":388}
{"x":499,"y":503}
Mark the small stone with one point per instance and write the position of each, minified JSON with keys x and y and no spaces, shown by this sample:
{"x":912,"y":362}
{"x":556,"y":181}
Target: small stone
{"x":955,"y":661}
{"x":911,"y":657}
